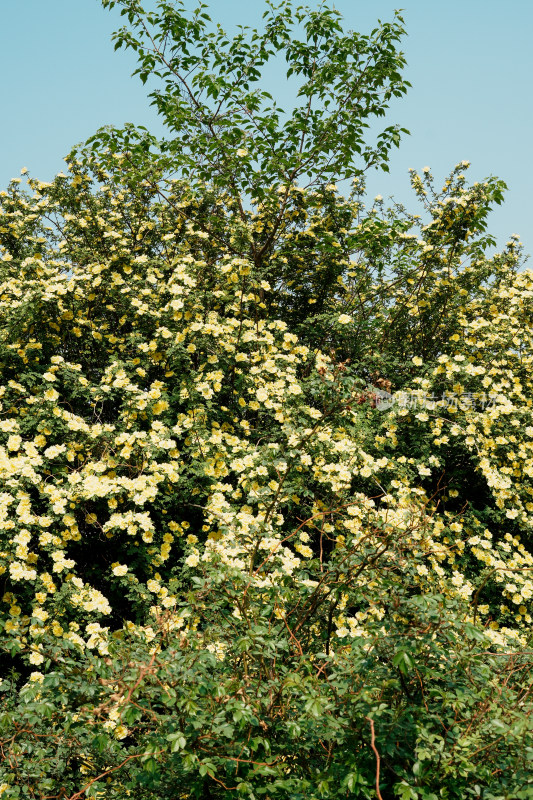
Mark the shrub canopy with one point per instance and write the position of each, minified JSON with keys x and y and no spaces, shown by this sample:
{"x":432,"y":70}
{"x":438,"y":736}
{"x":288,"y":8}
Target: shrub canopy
{"x":265,"y":453}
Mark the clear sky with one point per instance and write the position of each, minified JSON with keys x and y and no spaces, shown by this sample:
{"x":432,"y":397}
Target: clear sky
{"x":470,"y":63}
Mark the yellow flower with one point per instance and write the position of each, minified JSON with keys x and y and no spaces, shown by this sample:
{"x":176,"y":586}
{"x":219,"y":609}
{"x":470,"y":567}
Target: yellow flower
{"x":14,"y":441}
{"x":120,"y":732}
{"x":159,"y":407}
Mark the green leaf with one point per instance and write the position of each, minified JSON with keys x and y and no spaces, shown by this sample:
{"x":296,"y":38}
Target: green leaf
{"x":177,"y":742}
{"x":404,"y":661}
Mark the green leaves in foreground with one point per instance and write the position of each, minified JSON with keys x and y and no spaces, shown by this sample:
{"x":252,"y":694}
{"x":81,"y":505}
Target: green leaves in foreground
{"x":207,"y":719}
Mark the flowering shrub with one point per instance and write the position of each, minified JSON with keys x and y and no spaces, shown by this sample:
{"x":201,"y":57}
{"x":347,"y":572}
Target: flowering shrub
{"x":228,"y":570}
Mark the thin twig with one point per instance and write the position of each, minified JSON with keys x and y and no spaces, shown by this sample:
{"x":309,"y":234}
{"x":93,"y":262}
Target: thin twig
{"x":378,"y":760}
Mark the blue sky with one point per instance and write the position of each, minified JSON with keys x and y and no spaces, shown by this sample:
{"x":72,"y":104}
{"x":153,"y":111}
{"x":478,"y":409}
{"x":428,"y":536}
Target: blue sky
{"x":470,"y":63}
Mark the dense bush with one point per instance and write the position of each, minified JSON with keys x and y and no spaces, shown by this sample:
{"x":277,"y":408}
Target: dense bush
{"x":265,"y":453}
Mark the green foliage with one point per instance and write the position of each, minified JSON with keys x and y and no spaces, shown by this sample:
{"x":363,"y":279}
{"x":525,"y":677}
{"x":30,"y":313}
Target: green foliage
{"x":249,"y":709}
{"x":238,"y":572}
{"x":224,"y":125}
